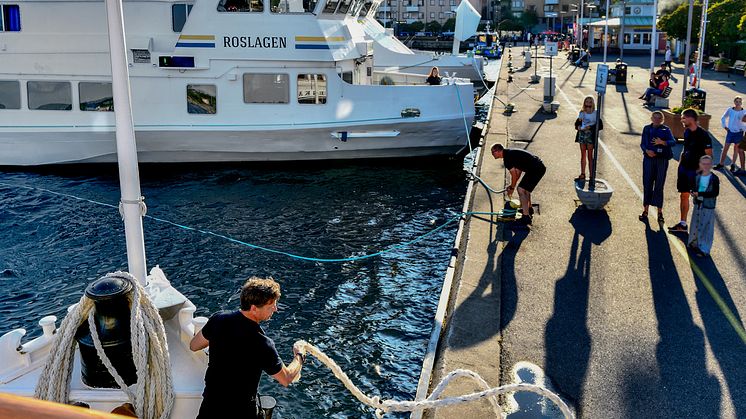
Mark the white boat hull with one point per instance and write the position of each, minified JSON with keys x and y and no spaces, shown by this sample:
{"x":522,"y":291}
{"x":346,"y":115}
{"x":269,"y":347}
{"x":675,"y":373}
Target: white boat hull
{"x":228,"y":144}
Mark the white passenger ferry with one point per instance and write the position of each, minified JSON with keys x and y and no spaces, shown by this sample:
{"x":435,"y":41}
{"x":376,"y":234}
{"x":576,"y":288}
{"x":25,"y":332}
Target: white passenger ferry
{"x":213,"y":80}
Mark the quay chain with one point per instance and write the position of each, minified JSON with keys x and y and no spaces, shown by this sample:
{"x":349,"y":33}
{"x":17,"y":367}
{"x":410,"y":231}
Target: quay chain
{"x":153,"y":393}
{"x":432,"y":401}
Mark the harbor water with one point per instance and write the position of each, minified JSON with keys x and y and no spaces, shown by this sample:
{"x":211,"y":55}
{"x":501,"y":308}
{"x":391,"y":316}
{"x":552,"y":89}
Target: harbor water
{"x":372,"y":316}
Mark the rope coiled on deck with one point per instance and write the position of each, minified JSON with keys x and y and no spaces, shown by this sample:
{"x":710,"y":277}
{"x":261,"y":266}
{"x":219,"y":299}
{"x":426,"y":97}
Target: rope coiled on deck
{"x":432,"y":401}
{"x":153,"y":393}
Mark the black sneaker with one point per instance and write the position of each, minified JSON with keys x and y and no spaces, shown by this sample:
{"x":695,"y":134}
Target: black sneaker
{"x":531,"y":211}
{"x":677,"y":228}
{"x":733,"y":168}
{"x":718,"y":166}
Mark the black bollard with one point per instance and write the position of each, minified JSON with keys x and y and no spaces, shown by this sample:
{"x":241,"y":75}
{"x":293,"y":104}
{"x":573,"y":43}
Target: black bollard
{"x":111,"y":315}
{"x":267,"y":405}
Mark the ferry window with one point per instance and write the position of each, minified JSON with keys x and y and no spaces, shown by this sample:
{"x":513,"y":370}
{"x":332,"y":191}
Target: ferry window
{"x":344,"y":6}
{"x":292,"y":6}
{"x":346,"y":77}
{"x":179,"y":13}
{"x":95,"y":97}
{"x":266,"y":88}
{"x":50,"y":95}
{"x":312,"y":88}
{"x":331,"y":6}
{"x":240,"y":6}
{"x":366,"y":8}
{"x":10,"y":94}
{"x":201,"y":98}
{"x":10,"y":18}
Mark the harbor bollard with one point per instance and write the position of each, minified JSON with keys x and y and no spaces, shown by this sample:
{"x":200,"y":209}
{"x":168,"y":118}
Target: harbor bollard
{"x":267,"y":405}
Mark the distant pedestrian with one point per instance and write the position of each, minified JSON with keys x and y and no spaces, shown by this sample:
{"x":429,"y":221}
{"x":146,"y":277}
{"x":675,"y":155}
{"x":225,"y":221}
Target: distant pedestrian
{"x":585,"y":125}
{"x":433,"y":79}
{"x":668,"y":58}
{"x":521,"y":162}
{"x":697,"y":143}
{"x":732,"y":122}
{"x":704,"y":198}
{"x":656,"y":144}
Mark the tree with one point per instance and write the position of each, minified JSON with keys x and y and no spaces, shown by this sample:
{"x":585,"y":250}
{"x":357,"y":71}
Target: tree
{"x":433,"y":26}
{"x":529,"y":19}
{"x":724,"y":18}
{"x":416,"y":26}
{"x":674,"y":23}
{"x":449,"y":25}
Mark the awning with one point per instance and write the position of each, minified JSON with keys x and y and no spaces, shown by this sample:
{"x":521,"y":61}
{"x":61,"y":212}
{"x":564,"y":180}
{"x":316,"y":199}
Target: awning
{"x":629,"y":21}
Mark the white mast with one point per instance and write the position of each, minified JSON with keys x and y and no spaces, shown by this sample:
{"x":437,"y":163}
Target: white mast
{"x":654,"y":40}
{"x":606,"y":30}
{"x":131,"y":203}
{"x":701,"y":49}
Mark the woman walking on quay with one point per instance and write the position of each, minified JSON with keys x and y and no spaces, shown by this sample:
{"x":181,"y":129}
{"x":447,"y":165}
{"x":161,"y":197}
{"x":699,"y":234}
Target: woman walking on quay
{"x":704,"y":197}
{"x":732,"y":122}
{"x":586,"y":125}
{"x":656,"y":144}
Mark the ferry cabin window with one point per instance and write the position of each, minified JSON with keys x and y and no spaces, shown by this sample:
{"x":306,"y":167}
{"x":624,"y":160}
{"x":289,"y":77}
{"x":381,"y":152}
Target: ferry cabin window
{"x":331,"y":6}
{"x":50,"y":95}
{"x":10,"y":94}
{"x":366,"y":8}
{"x":241,"y":6}
{"x":95,"y":97}
{"x":10,"y":18}
{"x":266,"y":88}
{"x":292,"y":6}
{"x":344,"y":6}
{"x":202,"y":98}
{"x":179,"y":13}
{"x":346,"y":77}
{"x":312,"y":89}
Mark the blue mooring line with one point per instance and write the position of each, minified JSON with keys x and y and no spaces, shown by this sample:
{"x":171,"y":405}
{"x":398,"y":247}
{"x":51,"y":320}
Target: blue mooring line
{"x":267,"y":249}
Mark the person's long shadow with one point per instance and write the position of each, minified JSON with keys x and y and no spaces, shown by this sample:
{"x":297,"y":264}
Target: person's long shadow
{"x":478,"y":304}
{"x":681,"y":348}
{"x":726,"y":344}
{"x":568,"y":341}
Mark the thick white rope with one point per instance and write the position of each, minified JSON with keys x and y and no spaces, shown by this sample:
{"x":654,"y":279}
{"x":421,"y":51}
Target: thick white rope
{"x":432,"y":401}
{"x":153,"y":394}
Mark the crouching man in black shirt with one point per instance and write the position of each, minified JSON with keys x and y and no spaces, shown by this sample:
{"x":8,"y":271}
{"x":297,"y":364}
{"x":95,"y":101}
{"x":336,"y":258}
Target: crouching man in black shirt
{"x":521,"y":162}
{"x":239,"y":352}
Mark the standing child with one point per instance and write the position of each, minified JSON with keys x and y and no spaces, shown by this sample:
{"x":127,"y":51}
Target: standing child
{"x":585,"y":125}
{"x":732,"y":122}
{"x":704,"y":197}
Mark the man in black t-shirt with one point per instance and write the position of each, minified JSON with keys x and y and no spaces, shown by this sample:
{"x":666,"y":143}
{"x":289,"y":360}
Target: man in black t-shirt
{"x":521,"y":162}
{"x":239,"y":352}
{"x":697,"y":143}
{"x":657,"y":79}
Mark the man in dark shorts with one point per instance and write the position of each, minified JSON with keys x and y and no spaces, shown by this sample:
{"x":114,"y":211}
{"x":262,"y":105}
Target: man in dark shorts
{"x":521,"y":162}
{"x":697,"y":143}
{"x":239,"y":352}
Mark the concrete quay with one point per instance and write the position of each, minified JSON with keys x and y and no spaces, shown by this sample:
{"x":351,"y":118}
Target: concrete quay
{"x":622,"y":320}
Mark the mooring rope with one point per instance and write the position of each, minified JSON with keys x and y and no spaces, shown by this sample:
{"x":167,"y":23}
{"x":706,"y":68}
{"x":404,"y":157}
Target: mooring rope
{"x":384,"y":406}
{"x":153,"y":393}
{"x":381,"y":252}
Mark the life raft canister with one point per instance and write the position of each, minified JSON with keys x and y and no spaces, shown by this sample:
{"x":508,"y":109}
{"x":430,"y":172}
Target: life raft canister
{"x":111,"y":314}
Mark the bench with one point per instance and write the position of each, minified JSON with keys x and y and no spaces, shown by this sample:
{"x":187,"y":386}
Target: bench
{"x":709,"y":62}
{"x":738,"y":66}
{"x":662,"y":100}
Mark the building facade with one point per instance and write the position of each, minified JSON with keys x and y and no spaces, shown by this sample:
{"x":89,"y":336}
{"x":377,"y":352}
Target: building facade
{"x":410,"y":11}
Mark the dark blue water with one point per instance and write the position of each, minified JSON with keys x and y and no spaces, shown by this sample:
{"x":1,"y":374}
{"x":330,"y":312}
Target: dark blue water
{"x":373,"y":315}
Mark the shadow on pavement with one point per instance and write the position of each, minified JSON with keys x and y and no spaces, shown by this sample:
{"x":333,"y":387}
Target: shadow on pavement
{"x":478,"y":306}
{"x":568,"y":341}
{"x":682,"y":371}
{"x":726,"y":344}
{"x":509,"y":287}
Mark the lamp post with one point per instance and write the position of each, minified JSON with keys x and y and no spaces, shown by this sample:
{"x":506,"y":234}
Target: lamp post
{"x":653,"y":42}
{"x":688,"y":49}
{"x":621,"y":29}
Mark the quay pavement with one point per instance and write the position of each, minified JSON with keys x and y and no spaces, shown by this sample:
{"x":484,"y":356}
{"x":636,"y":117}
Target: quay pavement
{"x":620,"y":318}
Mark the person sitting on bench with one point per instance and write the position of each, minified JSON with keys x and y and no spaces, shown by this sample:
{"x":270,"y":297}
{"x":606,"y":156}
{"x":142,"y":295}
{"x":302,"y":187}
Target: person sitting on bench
{"x":655,"y":91}
{"x":584,"y":57}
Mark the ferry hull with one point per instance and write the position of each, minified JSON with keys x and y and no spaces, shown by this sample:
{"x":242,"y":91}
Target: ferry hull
{"x":227,"y":144}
